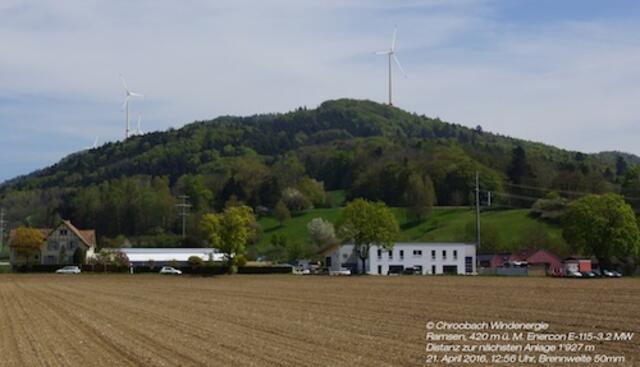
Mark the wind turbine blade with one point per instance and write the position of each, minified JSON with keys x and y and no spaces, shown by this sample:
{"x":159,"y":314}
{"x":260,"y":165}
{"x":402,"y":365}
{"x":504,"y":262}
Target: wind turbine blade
{"x":393,"y":40}
{"x":383,"y":52}
{"x":399,"y":66}
{"x":133,"y":94}
{"x":124,"y":83}
{"x":126,"y":102}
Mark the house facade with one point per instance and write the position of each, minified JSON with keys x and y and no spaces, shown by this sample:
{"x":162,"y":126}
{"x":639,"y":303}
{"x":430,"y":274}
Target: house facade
{"x":64,"y":244}
{"x":421,"y":258}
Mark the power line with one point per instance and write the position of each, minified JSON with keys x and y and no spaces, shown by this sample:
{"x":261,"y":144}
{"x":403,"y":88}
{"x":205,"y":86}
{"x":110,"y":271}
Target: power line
{"x":581,"y":193}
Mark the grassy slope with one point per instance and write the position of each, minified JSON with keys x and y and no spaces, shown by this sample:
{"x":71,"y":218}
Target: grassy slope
{"x":443,"y":224}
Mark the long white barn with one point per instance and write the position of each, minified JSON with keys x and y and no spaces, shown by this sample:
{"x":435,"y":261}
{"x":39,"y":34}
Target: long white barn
{"x":423,"y":258}
{"x":163,"y":256}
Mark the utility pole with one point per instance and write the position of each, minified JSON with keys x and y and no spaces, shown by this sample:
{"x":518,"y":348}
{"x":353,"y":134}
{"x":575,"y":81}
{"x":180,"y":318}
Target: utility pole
{"x":477,"y":211}
{"x":184,"y":212}
{"x":489,"y":198}
{"x":2,"y":223}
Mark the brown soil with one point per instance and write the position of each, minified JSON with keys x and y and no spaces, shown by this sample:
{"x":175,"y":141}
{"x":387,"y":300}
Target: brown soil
{"x":282,"y":320}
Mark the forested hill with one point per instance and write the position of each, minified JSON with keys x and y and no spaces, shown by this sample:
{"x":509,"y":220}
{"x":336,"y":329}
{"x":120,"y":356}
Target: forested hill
{"x":333,"y":131}
{"x":365,"y":148}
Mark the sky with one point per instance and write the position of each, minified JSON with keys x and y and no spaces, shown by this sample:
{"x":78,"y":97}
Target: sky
{"x":566,"y":73}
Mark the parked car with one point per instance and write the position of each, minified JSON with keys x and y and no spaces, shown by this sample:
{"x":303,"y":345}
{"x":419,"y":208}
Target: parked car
{"x":597,"y":272}
{"x":342,"y":271}
{"x":588,"y":274}
{"x":617,"y":274}
{"x":69,"y":270}
{"x":301,"y":271}
{"x":573,"y":274}
{"x":608,"y":274}
{"x":170,"y":271}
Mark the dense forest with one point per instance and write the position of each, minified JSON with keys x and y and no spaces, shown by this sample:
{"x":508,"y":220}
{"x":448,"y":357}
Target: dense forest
{"x":361,"y":148}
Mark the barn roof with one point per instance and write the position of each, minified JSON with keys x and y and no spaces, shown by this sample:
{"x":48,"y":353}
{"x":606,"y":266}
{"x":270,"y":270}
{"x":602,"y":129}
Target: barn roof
{"x":86,"y":236}
{"x":168,"y":254}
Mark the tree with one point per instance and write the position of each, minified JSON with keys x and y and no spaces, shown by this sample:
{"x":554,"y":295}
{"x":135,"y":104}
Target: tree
{"x":419,"y":196}
{"x":26,"y":242}
{"x":365,"y":224}
{"x":79,"y":256}
{"x":295,"y":200}
{"x":602,"y":225}
{"x":551,"y":208}
{"x":321,"y":232}
{"x":314,"y":191}
{"x":194,"y":262}
{"x":621,"y":166}
{"x":229,"y":232}
{"x":281,"y":212}
{"x":62,"y":255}
{"x":519,"y":168}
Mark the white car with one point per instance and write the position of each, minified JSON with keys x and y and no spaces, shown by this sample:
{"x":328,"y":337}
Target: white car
{"x":300,"y":271}
{"x":69,"y":270}
{"x":170,"y":270}
{"x":574,"y":274}
{"x":342,"y":271}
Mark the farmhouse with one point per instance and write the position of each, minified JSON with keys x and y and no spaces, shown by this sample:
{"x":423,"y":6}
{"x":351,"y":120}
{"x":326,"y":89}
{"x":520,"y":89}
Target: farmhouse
{"x":65,"y":244}
{"x":166,"y":256}
{"x":420,"y":258}
{"x":530,"y":262}
{"x":576,"y":264}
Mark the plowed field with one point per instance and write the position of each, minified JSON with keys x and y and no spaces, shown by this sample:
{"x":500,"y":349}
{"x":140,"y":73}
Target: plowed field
{"x":282,"y":320}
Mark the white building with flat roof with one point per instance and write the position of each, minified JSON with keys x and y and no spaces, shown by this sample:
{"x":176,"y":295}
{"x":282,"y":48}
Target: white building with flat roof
{"x":163,"y":256}
{"x":426,"y":258}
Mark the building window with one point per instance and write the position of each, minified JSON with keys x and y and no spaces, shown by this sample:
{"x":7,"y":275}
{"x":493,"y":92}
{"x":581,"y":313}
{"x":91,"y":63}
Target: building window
{"x":433,"y":254}
{"x":52,"y":245}
{"x":418,"y":269}
{"x":72,"y":245}
{"x":455,"y":254}
{"x":379,"y":269}
{"x":50,"y":260}
{"x":444,"y":254}
{"x":401,"y":254}
{"x":468,"y":264}
{"x":433,"y":269}
{"x":379,"y":254}
{"x":417,"y":253}
{"x":63,"y":232}
{"x":390,"y":254}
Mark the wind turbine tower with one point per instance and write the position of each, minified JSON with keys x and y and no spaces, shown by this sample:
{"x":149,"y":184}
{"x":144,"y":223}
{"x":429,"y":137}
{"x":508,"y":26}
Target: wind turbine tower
{"x":391,"y":55}
{"x":125,"y":106}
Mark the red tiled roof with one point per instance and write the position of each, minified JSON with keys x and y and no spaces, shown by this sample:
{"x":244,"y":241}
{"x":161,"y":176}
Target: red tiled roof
{"x":87,"y":236}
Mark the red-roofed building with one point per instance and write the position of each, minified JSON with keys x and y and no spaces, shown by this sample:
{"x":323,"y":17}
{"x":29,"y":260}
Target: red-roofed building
{"x":64,"y":244}
{"x":543,"y":259}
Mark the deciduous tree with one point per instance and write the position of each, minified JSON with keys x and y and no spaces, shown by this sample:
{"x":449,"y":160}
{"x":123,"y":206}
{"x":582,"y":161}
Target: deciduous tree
{"x":602,"y":225}
{"x":229,"y":231}
{"x":365,"y":224}
{"x":26,"y":242}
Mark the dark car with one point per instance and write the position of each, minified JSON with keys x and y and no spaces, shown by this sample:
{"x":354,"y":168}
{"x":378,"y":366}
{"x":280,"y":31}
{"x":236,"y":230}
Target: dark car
{"x":408,"y":271}
{"x":588,"y":274}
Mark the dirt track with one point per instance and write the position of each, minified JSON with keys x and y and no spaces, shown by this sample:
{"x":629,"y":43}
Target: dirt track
{"x":122,"y":320}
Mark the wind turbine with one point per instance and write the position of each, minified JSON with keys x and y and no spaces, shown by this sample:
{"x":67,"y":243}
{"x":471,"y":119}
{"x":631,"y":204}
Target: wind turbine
{"x":125,"y":106}
{"x":94,"y":146}
{"x":139,"y":130}
{"x":391,"y":54}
